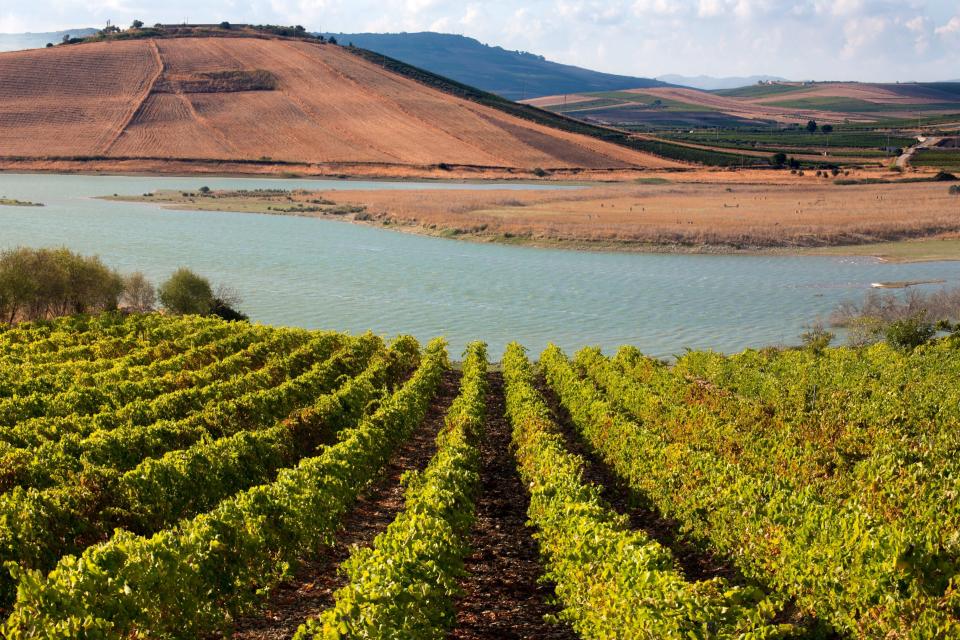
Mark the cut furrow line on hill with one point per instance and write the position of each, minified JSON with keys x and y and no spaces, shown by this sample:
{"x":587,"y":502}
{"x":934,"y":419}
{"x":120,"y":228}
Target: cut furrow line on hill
{"x":312,"y":588}
{"x":502,"y":597}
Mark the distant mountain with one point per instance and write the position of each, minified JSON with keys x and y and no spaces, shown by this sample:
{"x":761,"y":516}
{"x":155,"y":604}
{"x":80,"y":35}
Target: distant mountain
{"x":512,"y":74}
{"x":17,"y":41}
{"x":709,"y":83}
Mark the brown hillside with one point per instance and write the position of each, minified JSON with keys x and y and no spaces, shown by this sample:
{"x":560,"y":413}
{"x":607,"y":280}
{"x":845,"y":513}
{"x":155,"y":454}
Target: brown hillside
{"x":255,"y":99}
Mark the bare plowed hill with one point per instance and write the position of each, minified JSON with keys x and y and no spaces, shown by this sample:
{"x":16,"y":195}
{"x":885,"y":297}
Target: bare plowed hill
{"x":263,"y":100}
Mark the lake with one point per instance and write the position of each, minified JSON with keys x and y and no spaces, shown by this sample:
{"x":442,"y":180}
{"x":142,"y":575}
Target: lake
{"x":328,"y":274}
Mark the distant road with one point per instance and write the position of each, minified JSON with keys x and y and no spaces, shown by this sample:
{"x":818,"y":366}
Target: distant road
{"x":903,"y":160}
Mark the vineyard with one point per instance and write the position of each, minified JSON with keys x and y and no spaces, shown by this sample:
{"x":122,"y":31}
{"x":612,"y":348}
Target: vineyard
{"x":188,"y":477}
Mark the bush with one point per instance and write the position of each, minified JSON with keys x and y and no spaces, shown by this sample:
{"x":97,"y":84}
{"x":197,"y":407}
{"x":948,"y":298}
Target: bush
{"x":816,"y":338}
{"x":944,"y":176}
{"x":910,"y":333}
{"x":225,"y":303}
{"x":45,"y":283}
{"x":778,"y":159}
{"x":955,"y":189}
{"x":138,"y":293}
{"x":187,"y":293}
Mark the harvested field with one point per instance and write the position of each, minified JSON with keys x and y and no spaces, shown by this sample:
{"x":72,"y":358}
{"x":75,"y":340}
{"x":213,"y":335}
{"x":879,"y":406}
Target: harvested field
{"x":262,"y":100}
{"x":71,"y":101}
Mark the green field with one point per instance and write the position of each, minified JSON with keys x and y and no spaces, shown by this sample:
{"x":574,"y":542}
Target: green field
{"x":796,"y":137}
{"x":947,"y":159}
{"x":853,"y":105}
{"x":193,"y":465}
{"x":760,"y":90}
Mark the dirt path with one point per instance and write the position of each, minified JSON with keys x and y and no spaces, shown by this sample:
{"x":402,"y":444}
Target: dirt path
{"x":312,"y":588}
{"x":502,"y":599}
{"x":903,"y":160}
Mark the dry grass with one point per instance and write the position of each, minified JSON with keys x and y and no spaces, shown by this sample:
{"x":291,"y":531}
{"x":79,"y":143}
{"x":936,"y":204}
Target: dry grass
{"x":693,"y":216}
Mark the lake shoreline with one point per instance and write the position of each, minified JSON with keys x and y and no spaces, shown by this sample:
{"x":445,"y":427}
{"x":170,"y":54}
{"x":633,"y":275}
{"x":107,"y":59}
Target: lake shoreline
{"x":901,"y":250}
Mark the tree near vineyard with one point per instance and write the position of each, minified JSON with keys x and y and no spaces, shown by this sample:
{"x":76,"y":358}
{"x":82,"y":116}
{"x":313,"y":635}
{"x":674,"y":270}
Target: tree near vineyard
{"x":139,"y":293}
{"x":185,"y":292}
{"x":37,"y":284}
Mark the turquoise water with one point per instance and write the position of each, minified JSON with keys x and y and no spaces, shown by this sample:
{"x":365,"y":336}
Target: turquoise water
{"x":329,"y":274}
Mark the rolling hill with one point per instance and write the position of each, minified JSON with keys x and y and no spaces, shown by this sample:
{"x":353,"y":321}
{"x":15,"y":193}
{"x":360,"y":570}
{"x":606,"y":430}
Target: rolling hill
{"x":264,"y":101}
{"x":711,"y":83}
{"x":778,"y":102}
{"x":512,"y":74}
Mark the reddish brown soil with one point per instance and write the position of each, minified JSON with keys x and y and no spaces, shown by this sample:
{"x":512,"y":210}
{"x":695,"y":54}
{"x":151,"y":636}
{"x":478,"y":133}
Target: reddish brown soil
{"x":324,"y":105}
{"x":312,"y":588}
{"x":502,"y":598}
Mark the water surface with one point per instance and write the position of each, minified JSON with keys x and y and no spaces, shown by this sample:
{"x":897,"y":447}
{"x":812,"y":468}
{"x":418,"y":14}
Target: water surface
{"x":328,"y":274}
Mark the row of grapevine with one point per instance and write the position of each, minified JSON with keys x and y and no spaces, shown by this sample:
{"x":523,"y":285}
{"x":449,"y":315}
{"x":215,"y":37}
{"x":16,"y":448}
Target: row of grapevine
{"x":84,"y":396}
{"x":59,"y":334}
{"x":124,"y":336}
{"x":122,"y":439}
{"x":403,"y":586}
{"x":878,"y":431}
{"x":182,"y":483}
{"x":853,"y":572}
{"x":52,"y":375}
{"x":187,"y":369}
{"x":613,"y":582}
{"x":190,"y":579}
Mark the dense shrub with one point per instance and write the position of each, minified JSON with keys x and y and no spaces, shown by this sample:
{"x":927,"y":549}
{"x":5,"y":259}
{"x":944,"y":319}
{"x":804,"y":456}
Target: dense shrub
{"x":816,"y":338}
{"x":186,"y":292}
{"x":909,"y":333}
{"x":45,"y":283}
{"x":904,"y":321}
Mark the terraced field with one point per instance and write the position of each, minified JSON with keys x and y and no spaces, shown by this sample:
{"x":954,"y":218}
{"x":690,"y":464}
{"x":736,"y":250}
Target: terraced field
{"x":180,"y":477}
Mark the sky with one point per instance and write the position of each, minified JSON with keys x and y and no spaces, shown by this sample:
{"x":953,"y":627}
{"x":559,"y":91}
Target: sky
{"x":867,"y":40}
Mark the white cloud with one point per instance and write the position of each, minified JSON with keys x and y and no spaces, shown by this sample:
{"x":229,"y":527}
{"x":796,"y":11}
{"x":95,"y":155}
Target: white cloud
{"x":804,"y":39}
{"x":950,"y":28}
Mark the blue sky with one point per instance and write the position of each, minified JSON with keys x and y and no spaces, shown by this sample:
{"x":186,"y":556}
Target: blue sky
{"x":876,"y":40}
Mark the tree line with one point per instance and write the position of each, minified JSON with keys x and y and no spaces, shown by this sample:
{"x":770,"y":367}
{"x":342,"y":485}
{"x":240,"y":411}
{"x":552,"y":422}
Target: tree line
{"x":38,"y":284}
